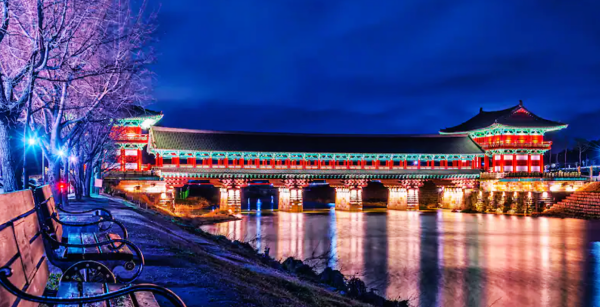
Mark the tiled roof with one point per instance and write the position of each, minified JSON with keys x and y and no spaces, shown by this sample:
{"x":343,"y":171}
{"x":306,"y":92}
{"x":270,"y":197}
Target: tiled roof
{"x":138,"y":111}
{"x":516,"y":116}
{"x":199,"y":140}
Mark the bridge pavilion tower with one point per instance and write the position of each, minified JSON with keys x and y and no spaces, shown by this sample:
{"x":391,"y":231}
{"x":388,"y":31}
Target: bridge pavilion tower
{"x":131,"y":135}
{"x":513,"y":138}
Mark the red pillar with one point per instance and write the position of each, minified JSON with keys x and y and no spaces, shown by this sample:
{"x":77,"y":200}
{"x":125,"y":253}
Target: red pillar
{"x":241,"y":162}
{"x":192,"y":161}
{"x":502,"y":163}
{"x":529,"y":163}
{"x":486,"y":163}
{"x":139,"y":160}
{"x":432,"y":164}
{"x":419,"y":164}
{"x":122,"y":160}
{"x":542,"y":163}
{"x":175,"y":161}
{"x":459,"y":162}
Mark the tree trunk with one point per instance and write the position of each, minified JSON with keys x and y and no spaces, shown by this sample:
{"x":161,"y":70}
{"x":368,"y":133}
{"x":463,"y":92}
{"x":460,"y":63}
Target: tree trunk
{"x":66,"y":179}
{"x":88,"y":180}
{"x":9,"y":177}
{"x":79,"y":178}
{"x":54,"y":177}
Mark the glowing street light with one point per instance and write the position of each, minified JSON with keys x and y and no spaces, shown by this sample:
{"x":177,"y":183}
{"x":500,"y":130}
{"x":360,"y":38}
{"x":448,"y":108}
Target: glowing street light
{"x":73,"y":159}
{"x":146,"y":124}
{"x":32,"y":141}
{"x":61,"y":153}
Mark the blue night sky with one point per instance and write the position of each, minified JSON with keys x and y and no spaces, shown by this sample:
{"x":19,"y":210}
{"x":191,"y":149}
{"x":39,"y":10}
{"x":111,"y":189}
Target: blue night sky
{"x":350,"y":66}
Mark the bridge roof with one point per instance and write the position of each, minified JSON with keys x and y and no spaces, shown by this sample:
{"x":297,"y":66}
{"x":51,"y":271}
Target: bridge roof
{"x":319,"y":173}
{"x":134,"y":110}
{"x":517,"y":116}
{"x":162,"y":138}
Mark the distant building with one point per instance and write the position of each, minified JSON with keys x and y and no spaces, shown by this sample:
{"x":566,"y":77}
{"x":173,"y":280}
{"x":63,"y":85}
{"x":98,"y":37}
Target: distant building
{"x":131,"y":135}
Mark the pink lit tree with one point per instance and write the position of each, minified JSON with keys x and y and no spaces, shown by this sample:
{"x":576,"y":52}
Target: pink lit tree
{"x":24,"y":47}
{"x":80,"y":62}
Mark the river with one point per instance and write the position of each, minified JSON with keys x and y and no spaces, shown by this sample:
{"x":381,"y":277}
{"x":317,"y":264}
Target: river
{"x":439,"y":258}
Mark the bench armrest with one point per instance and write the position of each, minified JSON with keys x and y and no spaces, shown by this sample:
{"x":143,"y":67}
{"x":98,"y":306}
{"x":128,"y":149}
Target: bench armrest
{"x":100,"y":220}
{"x":5,"y":273}
{"x":133,"y":247}
{"x":59,"y":207}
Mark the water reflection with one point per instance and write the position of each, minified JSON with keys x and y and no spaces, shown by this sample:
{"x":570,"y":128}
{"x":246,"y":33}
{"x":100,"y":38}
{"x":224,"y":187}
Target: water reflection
{"x":443,"y":258}
{"x":350,"y":238}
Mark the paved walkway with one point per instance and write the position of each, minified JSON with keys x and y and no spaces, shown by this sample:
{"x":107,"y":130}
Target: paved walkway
{"x":205,"y":273}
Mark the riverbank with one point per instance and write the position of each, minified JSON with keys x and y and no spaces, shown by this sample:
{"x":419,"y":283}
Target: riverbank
{"x":207,"y":270}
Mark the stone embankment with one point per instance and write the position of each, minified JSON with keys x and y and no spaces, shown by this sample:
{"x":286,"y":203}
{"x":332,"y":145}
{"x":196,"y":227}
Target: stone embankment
{"x":584,"y":204}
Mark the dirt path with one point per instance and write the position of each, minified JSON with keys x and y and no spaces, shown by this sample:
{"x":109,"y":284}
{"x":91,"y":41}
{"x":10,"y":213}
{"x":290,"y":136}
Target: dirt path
{"x":203,"y":271}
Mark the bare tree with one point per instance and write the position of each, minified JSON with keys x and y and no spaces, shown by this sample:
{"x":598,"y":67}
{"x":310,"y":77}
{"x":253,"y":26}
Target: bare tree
{"x":74,"y":55}
{"x":581,"y":145}
{"x":96,"y":143}
{"x":23,"y":54}
{"x":100,"y":68}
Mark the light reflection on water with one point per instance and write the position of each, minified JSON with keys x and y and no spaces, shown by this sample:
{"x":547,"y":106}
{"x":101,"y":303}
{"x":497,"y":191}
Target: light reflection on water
{"x":443,"y":258}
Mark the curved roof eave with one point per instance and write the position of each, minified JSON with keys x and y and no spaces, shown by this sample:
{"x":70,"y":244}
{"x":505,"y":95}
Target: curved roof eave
{"x":495,"y":125}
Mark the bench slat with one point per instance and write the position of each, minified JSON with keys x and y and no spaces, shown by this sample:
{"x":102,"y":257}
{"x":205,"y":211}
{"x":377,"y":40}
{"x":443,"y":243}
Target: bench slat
{"x":93,"y":289}
{"x":89,"y":238}
{"x":68,"y":289}
{"x":124,"y":249}
{"x":8,"y":252}
{"x":74,"y":238}
{"x":121,"y":301}
{"x":145,"y":299}
{"x":106,"y":248}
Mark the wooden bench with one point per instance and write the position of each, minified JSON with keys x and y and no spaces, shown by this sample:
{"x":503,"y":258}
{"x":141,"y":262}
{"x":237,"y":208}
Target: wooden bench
{"x":95,"y":220}
{"x":24,"y":267}
{"x":108,"y":248}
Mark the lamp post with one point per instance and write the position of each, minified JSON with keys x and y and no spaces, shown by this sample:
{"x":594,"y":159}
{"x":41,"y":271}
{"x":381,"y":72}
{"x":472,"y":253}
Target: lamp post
{"x":30,"y":142}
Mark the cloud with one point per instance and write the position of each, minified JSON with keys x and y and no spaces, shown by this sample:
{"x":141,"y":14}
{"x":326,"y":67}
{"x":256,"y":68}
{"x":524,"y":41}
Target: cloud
{"x":399,"y":66}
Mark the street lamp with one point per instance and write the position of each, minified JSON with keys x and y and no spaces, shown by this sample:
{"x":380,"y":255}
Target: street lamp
{"x":31,"y":141}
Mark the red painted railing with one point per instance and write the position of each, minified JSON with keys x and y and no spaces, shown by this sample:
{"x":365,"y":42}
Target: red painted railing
{"x":544,"y":145}
{"x":133,"y":138}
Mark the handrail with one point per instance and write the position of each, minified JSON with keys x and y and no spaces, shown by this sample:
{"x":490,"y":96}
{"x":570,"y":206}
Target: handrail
{"x":6,"y":272}
{"x":516,"y":145}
